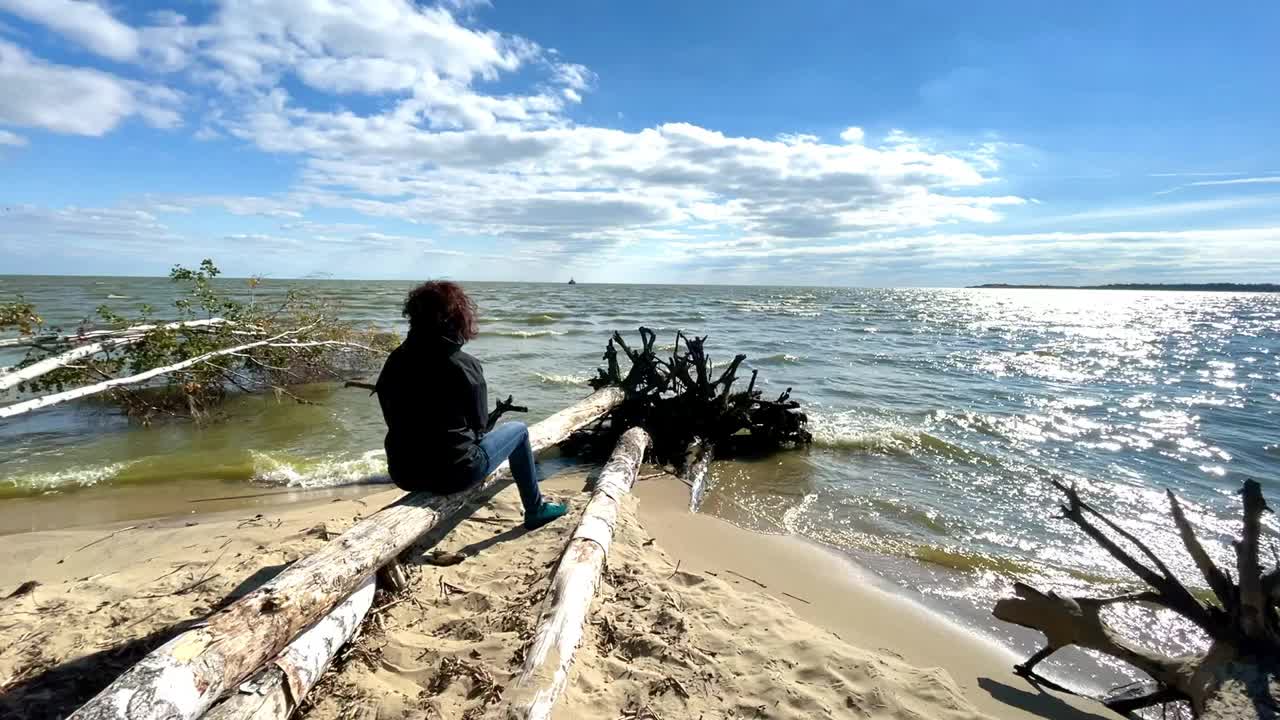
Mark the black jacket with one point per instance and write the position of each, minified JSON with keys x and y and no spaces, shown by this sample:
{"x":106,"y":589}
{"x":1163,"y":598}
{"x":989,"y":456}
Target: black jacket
{"x":434,"y":401}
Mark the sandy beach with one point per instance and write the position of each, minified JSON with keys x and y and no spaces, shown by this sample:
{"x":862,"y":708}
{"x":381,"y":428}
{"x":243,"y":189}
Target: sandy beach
{"x":695,"y":617}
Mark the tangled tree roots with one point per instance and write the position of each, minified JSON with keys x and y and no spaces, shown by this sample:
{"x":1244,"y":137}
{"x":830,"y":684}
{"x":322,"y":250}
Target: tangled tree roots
{"x":1237,"y":677}
{"x":688,"y":409}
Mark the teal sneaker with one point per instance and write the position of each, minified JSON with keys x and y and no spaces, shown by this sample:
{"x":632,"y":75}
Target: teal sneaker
{"x":545,"y":513}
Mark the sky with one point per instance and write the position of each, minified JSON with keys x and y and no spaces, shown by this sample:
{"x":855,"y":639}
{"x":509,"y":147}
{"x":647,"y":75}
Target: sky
{"x":811,"y":142}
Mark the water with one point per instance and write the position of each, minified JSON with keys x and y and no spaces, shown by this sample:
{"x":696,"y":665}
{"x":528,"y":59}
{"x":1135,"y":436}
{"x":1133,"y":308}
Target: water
{"x":939,"y":415}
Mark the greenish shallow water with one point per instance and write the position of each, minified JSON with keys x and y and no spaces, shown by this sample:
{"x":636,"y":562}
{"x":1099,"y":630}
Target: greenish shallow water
{"x":940,"y":415}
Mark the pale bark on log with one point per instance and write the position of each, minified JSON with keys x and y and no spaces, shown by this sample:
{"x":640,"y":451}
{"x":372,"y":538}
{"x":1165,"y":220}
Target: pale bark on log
{"x":90,"y":335}
{"x":275,"y":692}
{"x":182,"y":678}
{"x":1078,"y":621}
{"x":45,"y":401}
{"x":697,"y":468}
{"x":545,"y":672}
{"x":122,"y":338}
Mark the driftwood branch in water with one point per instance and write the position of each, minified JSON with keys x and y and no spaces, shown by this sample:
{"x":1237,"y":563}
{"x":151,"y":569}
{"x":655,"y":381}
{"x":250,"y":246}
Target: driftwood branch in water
{"x":184,"y":677}
{"x":112,"y":340}
{"x":80,"y":338}
{"x":684,"y":402}
{"x":542,"y":679}
{"x":45,"y":401}
{"x":1236,"y":678}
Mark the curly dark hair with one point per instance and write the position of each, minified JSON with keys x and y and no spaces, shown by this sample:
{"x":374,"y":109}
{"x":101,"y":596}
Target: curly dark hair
{"x":442,"y":308}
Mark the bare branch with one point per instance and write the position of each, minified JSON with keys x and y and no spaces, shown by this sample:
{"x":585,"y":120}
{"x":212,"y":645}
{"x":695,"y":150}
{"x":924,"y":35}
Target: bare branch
{"x":1252,"y":601}
{"x":1175,"y":593}
{"x":1078,"y":621}
{"x":1213,"y":575}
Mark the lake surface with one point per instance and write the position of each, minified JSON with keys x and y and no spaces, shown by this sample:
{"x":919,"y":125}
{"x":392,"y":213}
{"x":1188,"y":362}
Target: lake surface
{"x":939,"y":415}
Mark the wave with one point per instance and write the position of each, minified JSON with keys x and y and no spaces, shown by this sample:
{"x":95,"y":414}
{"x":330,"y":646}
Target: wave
{"x":112,"y":296}
{"x":847,"y":432}
{"x":44,"y":482}
{"x":367,"y":468}
{"x":261,"y":468}
{"x":524,"y":333}
{"x":776,"y":359}
{"x":954,"y":558}
{"x":546,"y":319}
{"x":553,"y":379}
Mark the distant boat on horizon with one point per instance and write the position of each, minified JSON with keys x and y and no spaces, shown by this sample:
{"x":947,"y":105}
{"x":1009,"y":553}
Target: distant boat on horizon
{"x":572,"y":281}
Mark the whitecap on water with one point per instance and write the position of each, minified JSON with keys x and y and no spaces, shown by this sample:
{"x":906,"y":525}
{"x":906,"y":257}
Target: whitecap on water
{"x":75,"y":477}
{"x":366,"y":468}
{"x":554,"y":379}
{"x":524,"y":333}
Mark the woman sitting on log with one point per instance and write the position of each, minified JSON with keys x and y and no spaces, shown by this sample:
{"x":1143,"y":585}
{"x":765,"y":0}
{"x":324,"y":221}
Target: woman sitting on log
{"x":440,"y":437}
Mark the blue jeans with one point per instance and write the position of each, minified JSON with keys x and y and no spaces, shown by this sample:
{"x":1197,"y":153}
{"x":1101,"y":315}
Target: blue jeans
{"x":510,"y":441}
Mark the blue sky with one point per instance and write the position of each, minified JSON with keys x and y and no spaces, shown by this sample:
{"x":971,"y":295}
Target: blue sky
{"x":835,"y":143}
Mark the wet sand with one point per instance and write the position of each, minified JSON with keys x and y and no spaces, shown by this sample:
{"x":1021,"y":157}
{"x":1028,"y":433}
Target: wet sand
{"x":108,"y":504}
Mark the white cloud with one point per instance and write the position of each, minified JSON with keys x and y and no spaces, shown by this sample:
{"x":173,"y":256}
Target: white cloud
{"x":240,"y":205}
{"x":429,"y":142}
{"x":12,"y":139}
{"x":1167,"y":209}
{"x":73,"y":100}
{"x":1242,"y":255}
{"x":1268,"y":180}
{"x":585,"y":182}
{"x":1263,"y":180}
{"x":84,"y":22}
{"x":77,"y":230}
{"x":252,"y":42}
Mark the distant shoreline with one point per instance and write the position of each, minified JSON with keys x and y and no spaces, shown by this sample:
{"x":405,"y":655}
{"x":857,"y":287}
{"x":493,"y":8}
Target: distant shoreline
{"x":1182,"y":287}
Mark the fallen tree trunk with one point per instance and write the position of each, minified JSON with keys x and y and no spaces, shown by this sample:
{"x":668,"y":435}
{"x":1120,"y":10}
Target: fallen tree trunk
{"x":1236,"y":678}
{"x":278,"y":689}
{"x":114,"y":340}
{"x":564,"y":613}
{"x":184,"y":677}
{"x":45,"y":401}
{"x":91,"y":335}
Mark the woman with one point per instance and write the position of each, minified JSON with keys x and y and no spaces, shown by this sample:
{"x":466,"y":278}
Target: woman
{"x":440,"y":437}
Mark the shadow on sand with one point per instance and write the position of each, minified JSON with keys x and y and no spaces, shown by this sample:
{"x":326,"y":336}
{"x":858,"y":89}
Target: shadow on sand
{"x":57,"y":691}
{"x":1040,"y":702}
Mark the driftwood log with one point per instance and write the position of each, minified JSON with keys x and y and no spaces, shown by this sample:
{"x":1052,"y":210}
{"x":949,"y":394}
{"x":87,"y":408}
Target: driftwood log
{"x":185,"y":676}
{"x":277,"y":690}
{"x":1236,"y":678}
{"x":542,"y":679}
{"x":691,"y":408}
{"x":697,"y":465}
